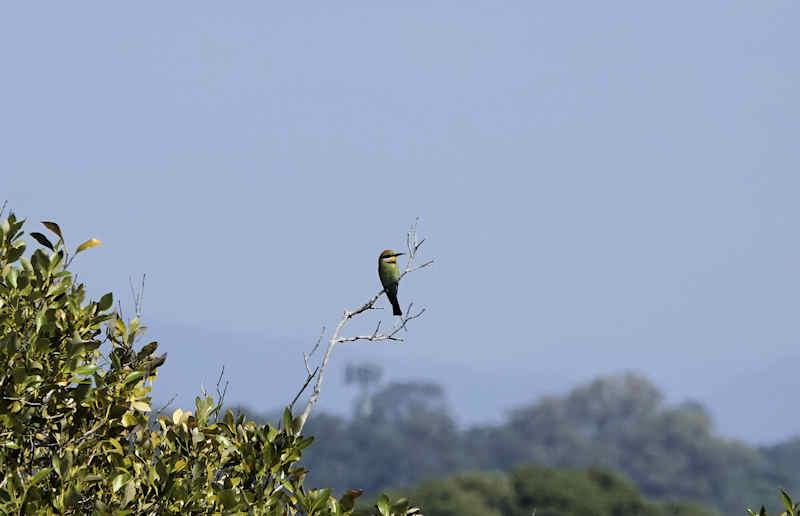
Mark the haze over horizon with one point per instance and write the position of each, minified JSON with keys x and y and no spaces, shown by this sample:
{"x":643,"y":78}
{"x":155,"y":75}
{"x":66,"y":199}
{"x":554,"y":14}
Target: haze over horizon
{"x":602,"y":190}
{"x":477,"y":393}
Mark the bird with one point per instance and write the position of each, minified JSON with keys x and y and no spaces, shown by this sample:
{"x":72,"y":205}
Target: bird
{"x":389,"y":273}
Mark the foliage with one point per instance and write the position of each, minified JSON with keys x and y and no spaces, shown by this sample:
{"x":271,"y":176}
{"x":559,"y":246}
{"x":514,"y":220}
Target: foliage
{"x":547,"y":491}
{"x":468,"y":494}
{"x":76,"y":435}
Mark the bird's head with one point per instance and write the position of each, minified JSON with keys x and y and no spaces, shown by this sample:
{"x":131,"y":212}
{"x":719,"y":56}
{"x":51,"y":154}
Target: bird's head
{"x":389,"y":256}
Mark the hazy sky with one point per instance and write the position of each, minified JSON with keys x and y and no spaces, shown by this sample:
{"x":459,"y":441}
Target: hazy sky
{"x":605,"y":186}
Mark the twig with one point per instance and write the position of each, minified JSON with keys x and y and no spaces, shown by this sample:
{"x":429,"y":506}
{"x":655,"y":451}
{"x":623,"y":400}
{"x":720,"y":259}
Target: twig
{"x":306,"y":356}
{"x":24,"y":401}
{"x":137,"y":296}
{"x":409,"y":316}
{"x":95,"y":428}
{"x":413,"y":246}
{"x":309,"y":373}
{"x":163,"y":407}
{"x":310,"y":377}
{"x":220,"y":392}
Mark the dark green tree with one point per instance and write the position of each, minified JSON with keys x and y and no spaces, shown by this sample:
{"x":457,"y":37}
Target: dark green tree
{"x":544,"y":491}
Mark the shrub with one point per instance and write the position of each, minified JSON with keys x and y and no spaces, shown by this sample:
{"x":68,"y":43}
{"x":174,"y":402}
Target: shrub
{"x":77,"y":434}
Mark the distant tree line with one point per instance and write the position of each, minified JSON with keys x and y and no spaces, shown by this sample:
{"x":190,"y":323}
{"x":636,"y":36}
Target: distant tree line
{"x":404,"y":433}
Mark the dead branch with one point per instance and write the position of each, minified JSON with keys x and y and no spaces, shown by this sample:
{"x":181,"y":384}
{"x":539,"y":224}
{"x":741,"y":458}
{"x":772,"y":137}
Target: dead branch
{"x":413,"y":245}
{"x":309,"y":373}
{"x":137,"y":296}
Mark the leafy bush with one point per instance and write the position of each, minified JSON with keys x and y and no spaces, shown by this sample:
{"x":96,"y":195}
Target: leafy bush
{"x":76,"y":432}
{"x":545,"y":492}
{"x":468,"y":494}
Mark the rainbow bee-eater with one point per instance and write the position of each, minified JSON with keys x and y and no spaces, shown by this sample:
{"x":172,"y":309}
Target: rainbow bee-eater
{"x":389,"y":273}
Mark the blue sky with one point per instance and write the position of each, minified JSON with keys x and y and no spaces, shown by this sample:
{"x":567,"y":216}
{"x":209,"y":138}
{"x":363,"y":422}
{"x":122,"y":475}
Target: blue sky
{"x":605,"y":186}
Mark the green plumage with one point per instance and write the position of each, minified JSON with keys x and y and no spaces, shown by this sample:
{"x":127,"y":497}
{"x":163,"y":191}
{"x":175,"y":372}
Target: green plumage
{"x":389,"y":273}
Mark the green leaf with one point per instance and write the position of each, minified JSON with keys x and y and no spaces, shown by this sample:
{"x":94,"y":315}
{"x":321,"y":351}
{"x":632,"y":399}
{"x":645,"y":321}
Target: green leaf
{"x":227,"y":498}
{"x":400,"y":506}
{"x":132,"y":377}
{"x":384,"y":507}
{"x":41,"y":318}
{"x":42,"y":240}
{"x":129,"y":420}
{"x":154,"y":363}
{"x":305,"y":442}
{"x":317,"y":499}
{"x":15,"y":252}
{"x":147,"y":349}
{"x":86,"y":370}
{"x":348,"y":500}
{"x":787,"y":501}
{"x":92,"y":242}
{"x":39,"y":476}
{"x":287,"y":420}
{"x":56,"y":461}
{"x":56,"y":258}
{"x":116,"y":446}
{"x":141,"y":405}
{"x":130,"y":493}
{"x":26,"y":264}
{"x":203,"y":408}
{"x":119,"y":481}
{"x":40,"y":262}
{"x":105,"y":302}
{"x":11,"y":277}
{"x":52,"y":226}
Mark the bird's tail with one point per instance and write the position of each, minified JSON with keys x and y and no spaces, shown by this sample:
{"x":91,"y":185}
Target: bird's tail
{"x":395,"y":305}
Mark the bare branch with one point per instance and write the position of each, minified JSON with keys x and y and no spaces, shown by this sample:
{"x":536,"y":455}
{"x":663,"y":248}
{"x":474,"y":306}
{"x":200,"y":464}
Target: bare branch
{"x":221,"y":392}
{"x":306,"y":356}
{"x":376,"y":336}
{"x":137,"y":296}
{"x":309,"y":373}
{"x":23,"y":401}
{"x":413,"y":245}
{"x":166,"y":405}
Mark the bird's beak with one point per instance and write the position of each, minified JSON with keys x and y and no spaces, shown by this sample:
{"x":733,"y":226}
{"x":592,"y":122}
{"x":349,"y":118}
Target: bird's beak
{"x":399,"y":254}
